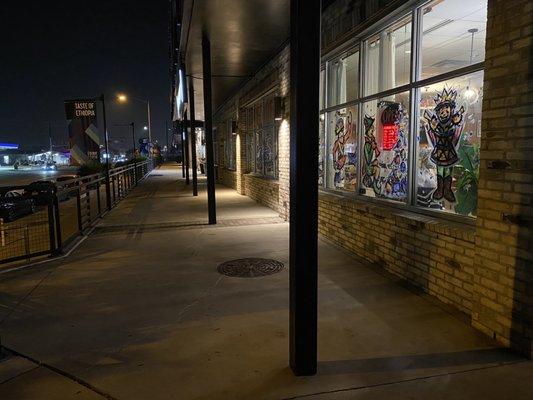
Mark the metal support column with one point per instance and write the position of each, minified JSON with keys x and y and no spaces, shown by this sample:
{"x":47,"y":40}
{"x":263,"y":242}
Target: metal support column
{"x":208,"y":126}
{"x":193,"y":139}
{"x":186,"y":148}
{"x":179,"y":128}
{"x":303,"y":236}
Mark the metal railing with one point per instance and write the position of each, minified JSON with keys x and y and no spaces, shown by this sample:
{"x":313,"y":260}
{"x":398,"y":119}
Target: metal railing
{"x":66,"y":213}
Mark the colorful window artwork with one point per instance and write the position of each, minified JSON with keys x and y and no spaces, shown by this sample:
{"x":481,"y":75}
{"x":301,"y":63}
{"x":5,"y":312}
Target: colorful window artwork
{"x":448,"y":145}
{"x":414,"y":137}
{"x":342,"y":149}
{"x":385,"y":149}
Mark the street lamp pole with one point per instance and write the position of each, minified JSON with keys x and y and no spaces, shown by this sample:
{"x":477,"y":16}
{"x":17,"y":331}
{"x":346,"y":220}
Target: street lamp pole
{"x":106,"y":138}
{"x":149,"y":121}
{"x":134,"y":155}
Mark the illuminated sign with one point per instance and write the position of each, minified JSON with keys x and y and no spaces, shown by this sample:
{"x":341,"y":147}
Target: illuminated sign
{"x":390,"y":136}
{"x":8,"y":146}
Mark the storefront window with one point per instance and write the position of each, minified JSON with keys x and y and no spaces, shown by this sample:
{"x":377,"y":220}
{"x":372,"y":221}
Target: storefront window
{"x":385,"y":147}
{"x":365,"y":145}
{"x":342,"y":149}
{"x":453,"y":35}
{"x":388,"y":58}
{"x":250,"y":140}
{"x":343,"y":79}
{"x":448,"y":144}
{"x":262,"y":138}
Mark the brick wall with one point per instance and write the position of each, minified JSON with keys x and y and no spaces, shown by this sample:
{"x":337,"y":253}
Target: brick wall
{"x":264,"y":191}
{"x":503,"y":272}
{"x":274,"y":194}
{"x":433,"y":254}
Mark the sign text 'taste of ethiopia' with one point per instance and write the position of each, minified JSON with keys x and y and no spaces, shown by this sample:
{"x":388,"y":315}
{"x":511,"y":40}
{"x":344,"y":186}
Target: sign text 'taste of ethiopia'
{"x":84,"y":137}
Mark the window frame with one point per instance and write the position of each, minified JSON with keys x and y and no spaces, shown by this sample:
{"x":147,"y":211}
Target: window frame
{"x":414,"y":87}
{"x":251,"y":131}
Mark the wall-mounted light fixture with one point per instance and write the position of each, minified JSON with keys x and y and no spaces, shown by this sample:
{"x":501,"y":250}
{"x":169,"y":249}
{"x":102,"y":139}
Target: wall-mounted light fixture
{"x":279,"y":108}
{"x":233,"y":127}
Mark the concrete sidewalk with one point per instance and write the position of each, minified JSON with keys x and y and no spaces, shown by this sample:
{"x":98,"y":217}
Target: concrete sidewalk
{"x":139,"y":311}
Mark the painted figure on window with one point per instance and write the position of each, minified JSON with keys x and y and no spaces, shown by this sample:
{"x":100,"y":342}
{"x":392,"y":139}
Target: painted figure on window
{"x":344,"y":151}
{"x":371,"y":169}
{"x":444,"y":127}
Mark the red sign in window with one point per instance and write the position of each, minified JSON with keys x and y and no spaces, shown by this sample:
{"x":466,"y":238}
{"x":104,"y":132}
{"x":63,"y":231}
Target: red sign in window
{"x":390,"y":136}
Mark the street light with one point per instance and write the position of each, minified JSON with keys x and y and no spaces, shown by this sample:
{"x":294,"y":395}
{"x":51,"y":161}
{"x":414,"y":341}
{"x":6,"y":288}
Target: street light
{"x":122,"y":98}
{"x":145,"y":128}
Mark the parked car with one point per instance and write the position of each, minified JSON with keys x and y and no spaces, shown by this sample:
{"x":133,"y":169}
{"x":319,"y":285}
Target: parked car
{"x":49,"y":166}
{"x":65,"y":182}
{"x":40,"y":191}
{"x":14,"y":205}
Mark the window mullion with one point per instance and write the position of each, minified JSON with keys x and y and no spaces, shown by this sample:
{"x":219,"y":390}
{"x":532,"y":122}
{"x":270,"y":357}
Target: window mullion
{"x":414,"y":99}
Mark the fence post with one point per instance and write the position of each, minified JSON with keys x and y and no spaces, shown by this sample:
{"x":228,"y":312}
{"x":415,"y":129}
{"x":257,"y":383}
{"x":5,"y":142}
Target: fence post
{"x":113,"y":178}
{"x":78,"y":204}
{"x":27,"y":241}
{"x":98,"y":198}
{"x":51,"y":222}
{"x":57,"y":216}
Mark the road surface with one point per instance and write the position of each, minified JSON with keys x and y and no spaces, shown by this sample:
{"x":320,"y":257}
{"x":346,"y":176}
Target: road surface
{"x":12,"y":177}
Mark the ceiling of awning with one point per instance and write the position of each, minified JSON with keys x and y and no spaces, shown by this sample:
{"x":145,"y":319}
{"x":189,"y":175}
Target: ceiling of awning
{"x":244,"y":35}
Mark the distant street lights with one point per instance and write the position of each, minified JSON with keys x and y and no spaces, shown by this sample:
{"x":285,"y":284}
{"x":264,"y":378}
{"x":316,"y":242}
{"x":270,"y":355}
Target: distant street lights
{"x":122,"y":98}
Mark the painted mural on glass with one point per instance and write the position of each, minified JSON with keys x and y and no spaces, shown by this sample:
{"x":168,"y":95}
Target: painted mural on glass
{"x":444,"y":126}
{"x":385,"y":150}
{"x":448,"y":152}
{"x":344,"y":150}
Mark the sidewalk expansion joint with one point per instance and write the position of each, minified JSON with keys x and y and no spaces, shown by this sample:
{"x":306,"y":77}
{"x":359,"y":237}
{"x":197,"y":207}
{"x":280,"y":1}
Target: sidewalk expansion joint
{"x":64,"y":374}
{"x":400,"y":381}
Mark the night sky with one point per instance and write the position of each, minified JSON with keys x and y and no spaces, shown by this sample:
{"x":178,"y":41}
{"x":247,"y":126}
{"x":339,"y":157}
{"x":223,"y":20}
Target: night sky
{"x":56,"y":50}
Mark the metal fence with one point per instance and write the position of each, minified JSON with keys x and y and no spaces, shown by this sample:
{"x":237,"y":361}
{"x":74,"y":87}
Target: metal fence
{"x":60,"y":217}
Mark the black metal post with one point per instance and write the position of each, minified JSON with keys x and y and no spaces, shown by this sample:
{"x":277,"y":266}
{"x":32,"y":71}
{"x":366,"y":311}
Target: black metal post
{"x":303,"y":236}
{"x":134,"y":155}
{"x":166,"y":136}
{"x":98,"y":198}
{"x":182,"y":141}
{"x":58,"y":226}
{"x":78,"y":207}
{"x":186,"y":148}
{"x":193,"y":138}
{"x":51,"y":223}
{"x":208,"y":126}
{"x":106,"y":138}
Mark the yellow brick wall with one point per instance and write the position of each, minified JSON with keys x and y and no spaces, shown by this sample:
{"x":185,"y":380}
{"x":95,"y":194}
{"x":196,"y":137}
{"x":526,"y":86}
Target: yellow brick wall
{"x":432,"y":254}
{"x":503,"y":268}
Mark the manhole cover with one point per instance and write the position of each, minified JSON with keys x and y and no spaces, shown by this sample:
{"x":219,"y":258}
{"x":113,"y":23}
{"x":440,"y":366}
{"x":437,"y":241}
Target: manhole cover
{"x":250,"y":267}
